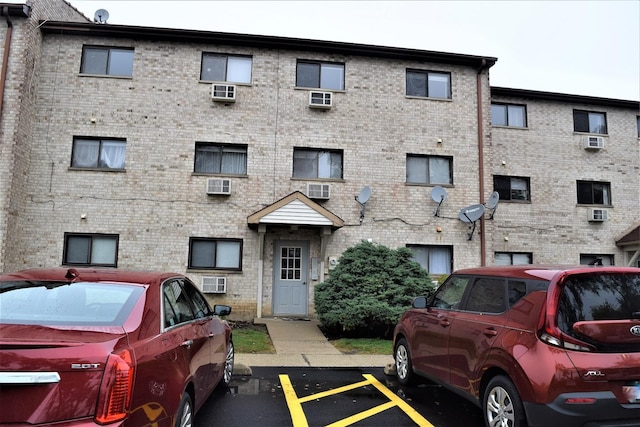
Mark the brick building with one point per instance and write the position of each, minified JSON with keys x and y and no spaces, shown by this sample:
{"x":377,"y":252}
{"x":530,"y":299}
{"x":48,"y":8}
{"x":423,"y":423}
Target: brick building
{"x":251,"y":163}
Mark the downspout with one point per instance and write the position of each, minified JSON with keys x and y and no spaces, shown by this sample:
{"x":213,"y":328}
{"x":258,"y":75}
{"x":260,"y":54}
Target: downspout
{"x":483,"y":237}
{"x":5,"y":56}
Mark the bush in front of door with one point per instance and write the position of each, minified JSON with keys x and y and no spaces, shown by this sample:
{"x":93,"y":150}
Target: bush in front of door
{"x":368,"y":290}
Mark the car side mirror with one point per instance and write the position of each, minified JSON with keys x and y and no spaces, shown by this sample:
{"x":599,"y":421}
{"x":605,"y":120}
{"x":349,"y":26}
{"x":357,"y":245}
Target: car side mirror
{"x":419,"y":302}
{"x":221,"y":310}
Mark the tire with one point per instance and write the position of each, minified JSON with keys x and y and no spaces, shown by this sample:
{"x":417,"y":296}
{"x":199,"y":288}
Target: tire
{"x":501,"y":404}
{"x":228,"y":364}
{"x":184,"y":417}
{"x":404,"y":367}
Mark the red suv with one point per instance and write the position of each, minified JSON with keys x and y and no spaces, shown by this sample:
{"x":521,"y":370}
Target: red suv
{"x":531,"y":345}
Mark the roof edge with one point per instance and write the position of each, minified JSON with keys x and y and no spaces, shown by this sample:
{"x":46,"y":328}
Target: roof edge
{"x":564,"y":97}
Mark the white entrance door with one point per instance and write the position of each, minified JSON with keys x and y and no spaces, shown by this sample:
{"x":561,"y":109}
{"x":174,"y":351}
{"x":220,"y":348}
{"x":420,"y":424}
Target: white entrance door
{"x":290,"y":284}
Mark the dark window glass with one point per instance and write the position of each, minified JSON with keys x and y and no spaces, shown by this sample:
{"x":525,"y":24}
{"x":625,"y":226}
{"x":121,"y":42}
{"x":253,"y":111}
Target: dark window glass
{"x":90,"y":249}
{"x":111,"y":61}
{"x":226,"y":68}
{"x":428,"y":84}
{"x":96,"y":153}
{"x":594,"y":193}
{"x":321,"y":75}
{"x":590,"y":122}
{"x":177,"y":299}
{"x":449,"y":295}
{"x":220,"y":159}
{"x":513,"y":258}
{"x":312,"y":163}
{"x":205,"y":253}
{"x":508,"y":115}
{"x":487,"y":296}
{"x":512,"y":188}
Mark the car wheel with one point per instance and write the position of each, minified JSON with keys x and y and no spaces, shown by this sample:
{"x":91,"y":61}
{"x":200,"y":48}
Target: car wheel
{"x":184,"y":417}
{"x":228,"y":364}
{"x":502,"y":405}
{"x":404,"y":369}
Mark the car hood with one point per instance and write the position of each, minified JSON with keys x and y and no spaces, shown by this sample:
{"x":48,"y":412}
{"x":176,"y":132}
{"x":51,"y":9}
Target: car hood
{"x":50,"y":374}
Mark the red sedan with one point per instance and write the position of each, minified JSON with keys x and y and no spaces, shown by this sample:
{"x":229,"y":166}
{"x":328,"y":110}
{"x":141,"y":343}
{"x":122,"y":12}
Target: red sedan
{"x":86,"y":347}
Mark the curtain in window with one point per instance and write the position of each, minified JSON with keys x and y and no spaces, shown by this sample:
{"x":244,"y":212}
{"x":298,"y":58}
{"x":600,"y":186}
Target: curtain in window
{"x":85,"y":153}
{"x":120,"y":62}
{"x":498,"y":115}
{"x":416,"y":169}
{"x":228,"y":255}
{"x":439,"y":171}
{"x":519,"y":259}
{"x":332,"y":76}
{"x":416,"y":84}
{"x":519,"y":189}
{"x":438,"y":85}
{"x":516,"y":116}
{"x":336,"y":165}
{"x":239,"y":69}
{"x":234,"y":161}
{"x":103,"y":250}
{"x":439,"y":260}
{"x":214,"y":68}
{"x":113,"y":154}
{"x":597,"y":123}
{"x":502,"y":259}
{"x":305,"y":164}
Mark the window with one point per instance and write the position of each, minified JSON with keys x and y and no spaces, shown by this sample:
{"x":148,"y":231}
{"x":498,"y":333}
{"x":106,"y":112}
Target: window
{"x":513,"y":188}
{"x":513,"y":258}
{"x":312,"y":163}
{"x":213,"y":254}
{"x":109,"y":61}
{"x":449,"y":295}
{"x":95,"y":153}
{"x":428,"y":84}
{"x":594,"y":193}
{"x":220,"y":159}
{"x":429,"y":169}
{"x":638,"y":125}
{"x":509,"y":115}
{"x":487,"y":296}
{"x":321,"y":75}
{"x":596,"y":259}
{"x":90,"y":249}
{"x":226,"y":68}
{"x":434,"y":259}
{"x":590,"y":122}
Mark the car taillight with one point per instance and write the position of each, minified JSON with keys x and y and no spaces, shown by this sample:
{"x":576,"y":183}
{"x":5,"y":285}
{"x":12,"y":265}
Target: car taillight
{"x":115,"y":391}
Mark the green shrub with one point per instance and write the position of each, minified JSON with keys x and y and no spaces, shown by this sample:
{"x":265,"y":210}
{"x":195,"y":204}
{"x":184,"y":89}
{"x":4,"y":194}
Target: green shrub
{"x":368,"y":290}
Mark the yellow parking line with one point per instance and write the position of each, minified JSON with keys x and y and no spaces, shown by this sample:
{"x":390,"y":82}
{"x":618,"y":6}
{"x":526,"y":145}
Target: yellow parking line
{"x":412,"y":413}
{"x":295,"y":408}
{"x":300,"y":420}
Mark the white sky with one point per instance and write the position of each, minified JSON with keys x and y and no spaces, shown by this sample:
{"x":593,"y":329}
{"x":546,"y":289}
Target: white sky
{"x":577,"y":47}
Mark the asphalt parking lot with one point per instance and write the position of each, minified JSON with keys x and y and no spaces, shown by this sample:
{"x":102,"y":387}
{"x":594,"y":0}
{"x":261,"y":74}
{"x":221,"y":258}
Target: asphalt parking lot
{"x":334,"y":397}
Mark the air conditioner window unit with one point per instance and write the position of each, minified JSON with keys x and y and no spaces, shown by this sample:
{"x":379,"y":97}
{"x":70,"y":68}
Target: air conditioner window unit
{"x":223,"y":93}
{"x":593,"y":142}
{"x":598,"y":215}
{"x":320,"y":99}
{"x":214,"y":285}
{"x":218,"y":186}
{"x":319,"y":191}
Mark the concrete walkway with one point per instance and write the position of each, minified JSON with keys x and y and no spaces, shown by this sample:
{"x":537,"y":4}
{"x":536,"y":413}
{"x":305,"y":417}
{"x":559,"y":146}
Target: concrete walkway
{"x":301,"y":343}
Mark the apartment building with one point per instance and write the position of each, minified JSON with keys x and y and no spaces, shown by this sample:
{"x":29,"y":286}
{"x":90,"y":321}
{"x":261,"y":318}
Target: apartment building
{"x":251,"y":163}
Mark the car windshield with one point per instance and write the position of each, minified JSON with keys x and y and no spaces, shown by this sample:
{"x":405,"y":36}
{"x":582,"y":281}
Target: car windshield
{"x":55,"y":303}
{"x":596,"y":297}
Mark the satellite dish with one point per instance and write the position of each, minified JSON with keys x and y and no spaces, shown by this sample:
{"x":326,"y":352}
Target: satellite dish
{"x":493,"y":200}
{"x":471,"y":213}
{"x":364,"y":195}
{"x":101,"y":16}
{"x":439,"y":194}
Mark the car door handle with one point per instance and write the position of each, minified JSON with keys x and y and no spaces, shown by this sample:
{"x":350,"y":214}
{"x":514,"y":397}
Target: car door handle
{"x":187,"y":343}
{"x":490,"y":332}
{"x":444,"y":323}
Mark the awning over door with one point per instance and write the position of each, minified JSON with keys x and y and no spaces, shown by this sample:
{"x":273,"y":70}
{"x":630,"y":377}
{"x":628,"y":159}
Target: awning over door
{"x":295,"y":209}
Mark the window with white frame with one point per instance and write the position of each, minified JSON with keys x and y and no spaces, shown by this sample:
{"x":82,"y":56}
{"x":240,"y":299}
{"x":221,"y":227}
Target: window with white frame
{"x":98,"y":153}
{"x":590,"y":122}
{"x":220,"y":159}
{"x":596,"y":259}
{"x":226,"y":68}
{"x":510,"y":115}
{"x":428,"y":84}
{"x":215,"y":254}
{"x":320,"y":75}
{"x":434,"y":259}
{"x":90,"y":249}
{"x":423,"y":169}
{"x":594,"y":193}
{"x":513,"y":258}
{"x":109,"y":61}
{"x":316,"y":163}
{"x":512,"y":188}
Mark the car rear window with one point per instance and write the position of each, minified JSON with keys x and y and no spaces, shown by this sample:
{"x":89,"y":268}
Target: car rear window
{"x":53,"y":303}
{"x":600,"y":297}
